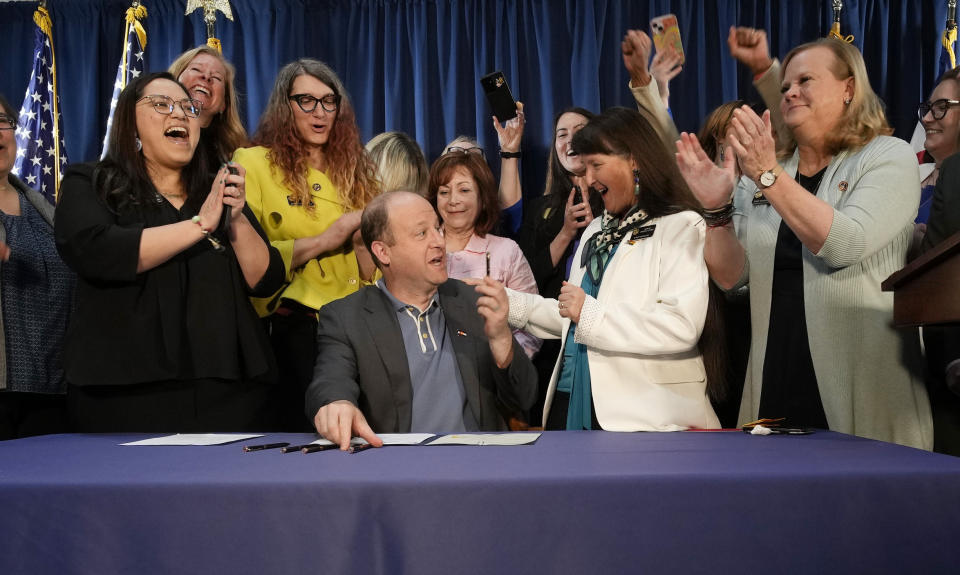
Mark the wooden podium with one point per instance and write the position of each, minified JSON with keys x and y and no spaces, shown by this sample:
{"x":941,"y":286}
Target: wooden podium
{"x":927,"y":290}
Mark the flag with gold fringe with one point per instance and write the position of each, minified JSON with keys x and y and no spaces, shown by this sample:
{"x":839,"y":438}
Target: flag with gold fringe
{"x":41,"y":153}
{"x":131,"y":61}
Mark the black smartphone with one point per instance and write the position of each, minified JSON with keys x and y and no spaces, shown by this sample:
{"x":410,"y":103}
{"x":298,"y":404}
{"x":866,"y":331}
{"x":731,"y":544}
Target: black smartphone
{"x":499,"y":96}
{"x":224,"y":226}
{"x":578,"y":199}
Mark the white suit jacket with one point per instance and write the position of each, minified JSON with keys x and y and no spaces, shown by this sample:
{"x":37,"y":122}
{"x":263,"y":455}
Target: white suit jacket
{"x":641,"y":331}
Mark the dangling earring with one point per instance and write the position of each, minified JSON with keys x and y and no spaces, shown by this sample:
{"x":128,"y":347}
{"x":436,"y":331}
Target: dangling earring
{"x":139,"y":143}
{"x":636,"y":183}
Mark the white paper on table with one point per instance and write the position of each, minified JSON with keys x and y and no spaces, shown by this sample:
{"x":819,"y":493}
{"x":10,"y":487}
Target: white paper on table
{"x":515,"y":438}
{"x":196,"y":439}
{"x":387,"y":438}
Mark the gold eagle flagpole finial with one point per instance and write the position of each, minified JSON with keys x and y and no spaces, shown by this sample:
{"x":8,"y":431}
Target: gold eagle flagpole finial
{"x":210,"y":8}
{"x":835,"y":29}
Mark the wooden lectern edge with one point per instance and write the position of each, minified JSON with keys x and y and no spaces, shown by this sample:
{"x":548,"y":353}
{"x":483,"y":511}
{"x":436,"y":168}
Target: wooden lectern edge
{"x":922,"y":263}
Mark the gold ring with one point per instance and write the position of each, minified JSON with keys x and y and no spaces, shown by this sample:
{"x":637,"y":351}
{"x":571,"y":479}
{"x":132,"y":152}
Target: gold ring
{"x":562,"y":306}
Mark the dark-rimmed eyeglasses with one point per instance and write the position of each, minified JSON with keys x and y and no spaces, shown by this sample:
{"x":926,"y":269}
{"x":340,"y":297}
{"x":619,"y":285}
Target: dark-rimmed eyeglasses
{"x":462,"y":150}
{"x":330,"y":103}
{"x":938,"y":109}
{"x":7,"y":122}
{"x":164,"y":105}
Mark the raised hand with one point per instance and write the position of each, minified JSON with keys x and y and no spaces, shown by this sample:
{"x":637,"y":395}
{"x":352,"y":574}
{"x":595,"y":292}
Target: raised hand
{"x":212,"y":207}
{"x":494,"y":306}
{"x":636,"y":47}
{"x":749,"y":47}
{"x":575,"y":211}
{"x":235,"y":189}
{"x":665,"y":67}
{"x":710,"y":183}
{"x":510,"y":133}
{"x":751,"y":138}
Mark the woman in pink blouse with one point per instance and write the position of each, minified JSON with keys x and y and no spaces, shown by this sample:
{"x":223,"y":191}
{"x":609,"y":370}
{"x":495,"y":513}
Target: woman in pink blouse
{"x":464,"y":192}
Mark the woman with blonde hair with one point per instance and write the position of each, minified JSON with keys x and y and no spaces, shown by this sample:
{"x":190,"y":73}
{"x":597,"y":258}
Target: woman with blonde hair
{"x":209,"y":78}
{"x":812,"y":231}
{"x":308,"y":179}
{"x":400,"y":163}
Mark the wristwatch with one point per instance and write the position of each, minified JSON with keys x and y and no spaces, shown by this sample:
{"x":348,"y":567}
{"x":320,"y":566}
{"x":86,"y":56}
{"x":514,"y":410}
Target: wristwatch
{"x":769,"y":177}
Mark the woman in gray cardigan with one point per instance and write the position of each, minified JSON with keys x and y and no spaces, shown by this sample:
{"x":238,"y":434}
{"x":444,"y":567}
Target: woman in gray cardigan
{"x":36,"y":292}
{"x":812,"y":232}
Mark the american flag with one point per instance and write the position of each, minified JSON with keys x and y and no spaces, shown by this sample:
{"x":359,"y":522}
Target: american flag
{"x":131,"y":63}
{"x":41,"y":153}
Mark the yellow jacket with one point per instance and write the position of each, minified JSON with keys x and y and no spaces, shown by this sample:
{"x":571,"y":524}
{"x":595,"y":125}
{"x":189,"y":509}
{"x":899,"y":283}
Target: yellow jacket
{"x":320,"y":281}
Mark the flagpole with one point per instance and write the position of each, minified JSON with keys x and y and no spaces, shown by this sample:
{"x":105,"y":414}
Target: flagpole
{"x":42,"y":19}
{"x":950,"y":33}
{"x":210,"y":8}
{"x":835,"y":29}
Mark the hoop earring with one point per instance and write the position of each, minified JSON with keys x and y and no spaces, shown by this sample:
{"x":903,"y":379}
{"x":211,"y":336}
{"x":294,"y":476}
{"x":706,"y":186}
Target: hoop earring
{"x":636,"y":183}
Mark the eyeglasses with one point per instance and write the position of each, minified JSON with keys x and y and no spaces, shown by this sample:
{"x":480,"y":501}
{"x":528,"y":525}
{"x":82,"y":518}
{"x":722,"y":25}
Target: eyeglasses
{"x":164,"y":105}
{"x":938,"y":109}
{"x":462,"y":150}
{"x":7,"y":123}
{"x":330,"y":103}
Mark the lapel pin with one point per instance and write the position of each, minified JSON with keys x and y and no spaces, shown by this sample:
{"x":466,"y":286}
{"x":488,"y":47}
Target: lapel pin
{"x":843,"y":186}
{"x":316,"y":187}
{"x":461,"y":333}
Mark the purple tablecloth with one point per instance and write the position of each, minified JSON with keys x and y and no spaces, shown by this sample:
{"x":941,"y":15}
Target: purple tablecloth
{"x":575,"y":502}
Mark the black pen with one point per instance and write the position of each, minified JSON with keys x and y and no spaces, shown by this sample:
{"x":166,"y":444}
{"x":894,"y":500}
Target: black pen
{"x":313,"y":448}
{"x":488,"y":264}
{"x":249,"y":448}
{"x":294,"y":448}
{"x":359,"y":448}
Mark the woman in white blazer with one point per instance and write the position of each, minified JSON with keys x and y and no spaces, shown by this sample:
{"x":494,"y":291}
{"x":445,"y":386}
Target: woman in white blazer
{"x":632,"y":316}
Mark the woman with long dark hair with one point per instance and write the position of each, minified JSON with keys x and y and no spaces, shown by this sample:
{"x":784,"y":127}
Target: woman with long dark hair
{"x":164,"y":337}
{"x":639,"y":346}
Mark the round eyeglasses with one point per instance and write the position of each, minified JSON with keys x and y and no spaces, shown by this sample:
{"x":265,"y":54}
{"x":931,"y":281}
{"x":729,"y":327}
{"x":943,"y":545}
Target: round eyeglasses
{"x":330,"y":103}
{"x":937,"y":109}
{"x":164,"y":105}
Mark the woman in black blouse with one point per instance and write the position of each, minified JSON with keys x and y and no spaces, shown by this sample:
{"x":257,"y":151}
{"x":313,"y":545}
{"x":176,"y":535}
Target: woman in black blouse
{"x":164,"y":337}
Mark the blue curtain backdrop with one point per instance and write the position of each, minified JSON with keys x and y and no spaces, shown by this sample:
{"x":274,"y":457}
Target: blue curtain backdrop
{"x":413,"y":65}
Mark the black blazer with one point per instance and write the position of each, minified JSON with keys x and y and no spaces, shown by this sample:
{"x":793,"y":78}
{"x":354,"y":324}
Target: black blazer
{"x":362,"y":359}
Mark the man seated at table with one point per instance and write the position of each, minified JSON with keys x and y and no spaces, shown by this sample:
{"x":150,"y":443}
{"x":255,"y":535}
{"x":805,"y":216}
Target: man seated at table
{"x":418,"y":352}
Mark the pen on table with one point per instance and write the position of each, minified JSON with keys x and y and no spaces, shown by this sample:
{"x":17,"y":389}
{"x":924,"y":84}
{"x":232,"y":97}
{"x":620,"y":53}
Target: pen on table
{"x":313,"y":448}
{"x":293,"y":448}
{"x":249,"y":448}
{"x":359,"y":448}
{"x":488,"y":264}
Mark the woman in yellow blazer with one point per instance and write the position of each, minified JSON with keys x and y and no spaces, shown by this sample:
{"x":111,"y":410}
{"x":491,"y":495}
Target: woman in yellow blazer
{"x":308,"y":179}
